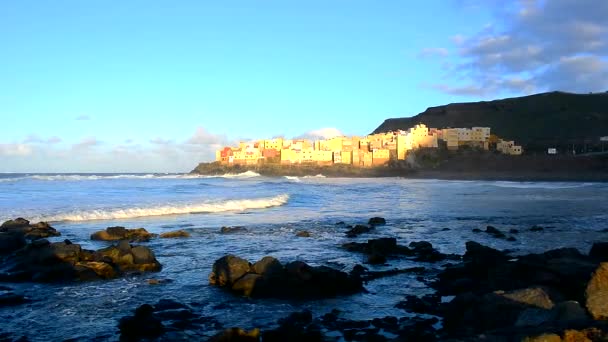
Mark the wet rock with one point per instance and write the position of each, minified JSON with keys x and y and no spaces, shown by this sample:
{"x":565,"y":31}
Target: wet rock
{"x":358,"y":229}
{"x":296,"y":327}
{"x":129,"y":258}
{"x":599,"y":251}
{"x":476,"y":230}
{"x":141,"y":325}
{"x":387,"y":247}
{"x":269,"y":278}
{"x":121,"y":233}
{"x":428,"y":304}
{"x":227,"y":270}
{"x":536,"y":229}
{"x":10,"y":298}
{"x":10,"y":242}
{"x":175,"y":234}
{"x":596,"y":293}
{"x":237,"y":335}
{"x":376,"y":221}
{"x":376,"y":259}
{"x":513,"y":231}
{"x":303,"y":233}
{"x":29,"y":231}
{"x":233,"y":230}
{"x":495,"y":232}
{"x":445,"y":229}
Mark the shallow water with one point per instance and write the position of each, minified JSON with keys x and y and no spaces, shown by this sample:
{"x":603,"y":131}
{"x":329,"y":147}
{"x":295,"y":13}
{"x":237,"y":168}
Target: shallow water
{"x":273,"y":210}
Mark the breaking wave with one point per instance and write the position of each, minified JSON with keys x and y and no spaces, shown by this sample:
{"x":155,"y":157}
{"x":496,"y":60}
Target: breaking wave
{"x":208,"y":207}
{"x":293,"y":178}
{"x":539,"y":185}
{"x":315,"y":176}
{"x":246,"y":174}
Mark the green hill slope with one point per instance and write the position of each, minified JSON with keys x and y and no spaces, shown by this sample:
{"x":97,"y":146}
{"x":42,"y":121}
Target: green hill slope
{"x":537,"y":121}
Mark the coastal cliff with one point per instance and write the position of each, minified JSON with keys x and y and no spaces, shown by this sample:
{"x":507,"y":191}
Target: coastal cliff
{"x":554,"y":119}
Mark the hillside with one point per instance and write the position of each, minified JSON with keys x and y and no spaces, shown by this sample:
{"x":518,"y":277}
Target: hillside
{"x":536,"y":121}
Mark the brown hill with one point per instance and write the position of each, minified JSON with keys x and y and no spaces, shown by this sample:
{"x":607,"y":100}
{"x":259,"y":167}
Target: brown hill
{"x":554,"y":119}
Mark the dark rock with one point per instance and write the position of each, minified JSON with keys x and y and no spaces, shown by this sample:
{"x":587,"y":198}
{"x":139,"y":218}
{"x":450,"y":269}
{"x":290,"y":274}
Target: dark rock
{"x":596,"y":293}
{"x":237,"y":335}
{"x":428,"y":304}
{"x":303,"y":233}
{"x":495,"y":232}
{"x":29,"y":231}
{"x":358,"y":229}
{"x":233,"y":230}
{"x":121,"y":233}
{"x":295,"y":279}
{"x":445,"y":229}
{"x":511,"y":238}
{"x":227,"y":270}
{"x":376,"y":221}
{"x":128,"y":258}
{"x":537,"y":229}
{"x":479,"y":254}
{"x":175,"y":234}
{"x":10,"y":298}
{"x":10,"y":242}
{"x":599,"y":251}
{"x":513,"y":231}
{"x":296,"y":327}
{"x":141,"y":325}
{"x":476,"y":230}
{"x":376,"y":259}
{"x":340,"y":223}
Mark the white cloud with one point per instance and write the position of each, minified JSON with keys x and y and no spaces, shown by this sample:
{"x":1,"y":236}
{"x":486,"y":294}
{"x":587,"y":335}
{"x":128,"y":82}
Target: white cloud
{"x":322,"y":133}
{"x":86,"y":143}
{"x":203,"y":137}
{"x":534,"y":46}
{"x":35,"y":139}
{"x":18,"y":150}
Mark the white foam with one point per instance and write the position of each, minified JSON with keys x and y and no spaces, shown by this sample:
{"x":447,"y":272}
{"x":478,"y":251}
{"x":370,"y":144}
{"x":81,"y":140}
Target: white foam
{"x":293,"y":178}
{"x":246,"y":174}
{"x":208,"y":207}
{"x":539,"y":185}
{"x":315,"y":176}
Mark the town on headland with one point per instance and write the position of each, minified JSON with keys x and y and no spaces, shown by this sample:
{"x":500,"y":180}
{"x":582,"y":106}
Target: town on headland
{"x":566,"y":146}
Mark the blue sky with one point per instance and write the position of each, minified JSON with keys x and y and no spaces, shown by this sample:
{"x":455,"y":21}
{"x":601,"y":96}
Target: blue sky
{"x":126,"y":86}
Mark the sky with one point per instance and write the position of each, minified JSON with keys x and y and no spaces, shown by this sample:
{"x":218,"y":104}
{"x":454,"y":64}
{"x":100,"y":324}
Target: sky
{"x":158,"y":86}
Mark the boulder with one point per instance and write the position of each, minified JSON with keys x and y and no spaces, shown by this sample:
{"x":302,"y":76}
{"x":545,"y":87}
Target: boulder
{"x":269,"y":278}
{"x":10,"y":242}
{"x":121,"y":233}
{"x":358,"y":229}
{"x":233,"y":230}
{"x":129,"y":258}
{"x":376,"y":221}
{"x":227,"y":270}
{"x":303,"y":233}
{"x":237,"y":335}
{"x":29,"y":231}
{"x":175,"y":234}
{"x":599,"y":251}
{"x":142,"y":325}
{"x":597,"y":293}
{"x":494,"y":232}
{"x":10,"y":298}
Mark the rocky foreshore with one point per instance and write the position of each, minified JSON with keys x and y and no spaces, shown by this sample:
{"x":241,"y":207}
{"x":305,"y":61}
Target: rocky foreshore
{"x":484,"y":295}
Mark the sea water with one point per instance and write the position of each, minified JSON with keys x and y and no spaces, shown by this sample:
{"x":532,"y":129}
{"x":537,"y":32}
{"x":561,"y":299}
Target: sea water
{"x":273,"y":209}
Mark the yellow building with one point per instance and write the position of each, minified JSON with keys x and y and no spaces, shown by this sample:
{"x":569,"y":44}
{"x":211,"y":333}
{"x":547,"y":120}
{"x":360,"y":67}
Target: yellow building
{"x":272,"y":144}
{"x":380,"y":156}
{"x":346,"y":157}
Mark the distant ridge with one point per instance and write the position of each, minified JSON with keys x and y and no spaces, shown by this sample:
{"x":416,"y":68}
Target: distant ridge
{"x":548,"y":119}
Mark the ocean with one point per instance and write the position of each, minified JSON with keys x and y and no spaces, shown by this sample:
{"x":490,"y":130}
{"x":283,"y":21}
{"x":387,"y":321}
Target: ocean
{"x":273,"y":209}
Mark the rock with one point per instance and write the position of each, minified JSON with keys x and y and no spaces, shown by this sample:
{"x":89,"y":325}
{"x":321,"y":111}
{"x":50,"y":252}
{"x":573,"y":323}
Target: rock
{"x":597,"y":293}
{"x":534,"y":296}
{"x":227,"y":270}
{"x":237,"y":335}
{"x":599,"y":251}
{"x":445,"y":229}
{"x":296,"y":327}
{"x":10,"y":242}
{"x":175,"y":234}
{"x":268,"y":278}
{"x":478,"y":254}
{"x":376,"y":221}
{"x":121,"y":233}
{"x":358,"y":229}
{"x":428,"y":304}
{"x":141,"y":325}
{"x":128,"y":258}
{"x":476,"y":230}
{"x":543,"y":338}
{"x":569,"y":311}
{"x":513,"y":231}
{"x":29,"y":231}
{"x":536,"y":228}
{"x":233,"y":230}
{"x":10,"y":298}
{"x":303,"y":233}
{"x":91,"y":270}
{"x":495,"y":232}
{"x":268,"y":266}
{"x":511,"y":238}
{"x":376,"y":259}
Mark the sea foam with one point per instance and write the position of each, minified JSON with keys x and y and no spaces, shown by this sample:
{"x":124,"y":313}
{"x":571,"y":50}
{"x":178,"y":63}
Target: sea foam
{"x":208,"y":207}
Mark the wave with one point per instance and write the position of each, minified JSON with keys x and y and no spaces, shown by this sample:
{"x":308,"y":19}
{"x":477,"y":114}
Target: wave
{"x":210,"y":207}
{"x":539,"y":185}
{"x":315,"y":176}
{"x":293,"y":178}
{"x":246,"y":174}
